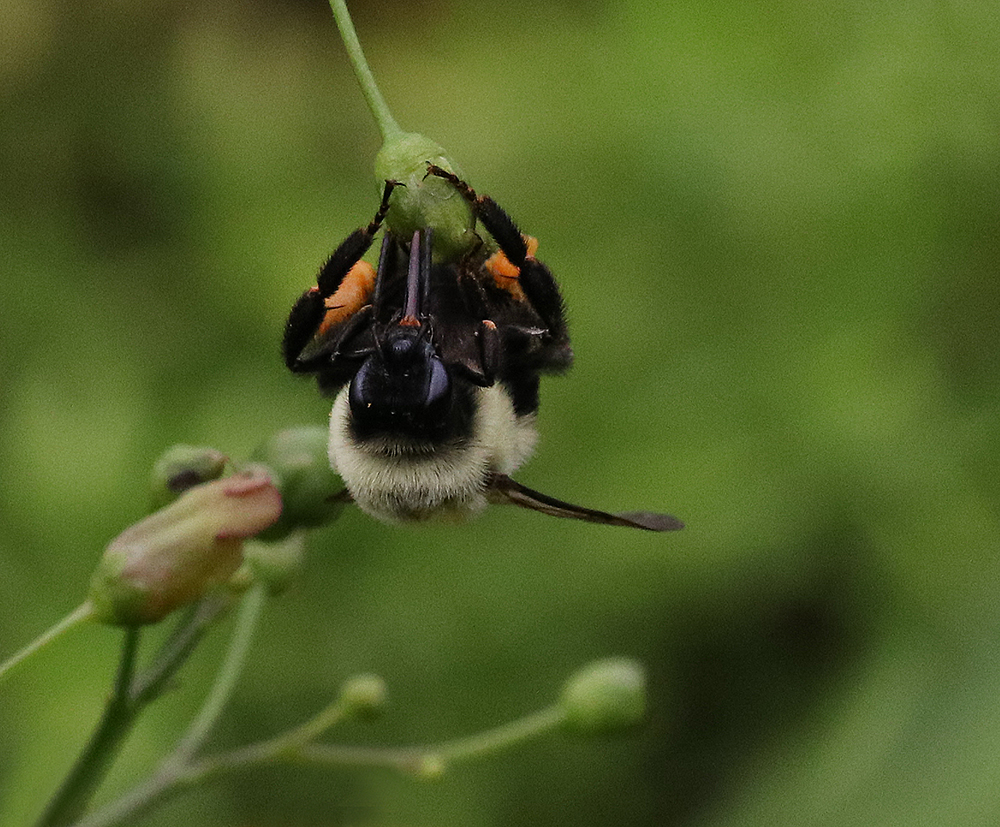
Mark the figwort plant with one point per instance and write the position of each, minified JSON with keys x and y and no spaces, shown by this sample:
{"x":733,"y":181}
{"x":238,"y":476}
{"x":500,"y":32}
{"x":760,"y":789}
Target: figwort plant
{"x":227,"y":537}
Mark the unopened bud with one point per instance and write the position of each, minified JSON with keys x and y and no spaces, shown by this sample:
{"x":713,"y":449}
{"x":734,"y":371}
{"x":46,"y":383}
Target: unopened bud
{"x":181,"y":467}
{"x":605,"y":696}
{"x":299,"y":461}
{"x":425,"y":200}
{"x":176,"y":554}
{"x":364,"y":696}
{"x":276,"y":564}
{"x":430,"y":766}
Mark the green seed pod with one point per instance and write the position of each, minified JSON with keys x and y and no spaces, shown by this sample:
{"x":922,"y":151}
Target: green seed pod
{"x":299,"y":462}
{"x":605,"y":696}
{"x":424,"y":201}
{"x":181,"y":467}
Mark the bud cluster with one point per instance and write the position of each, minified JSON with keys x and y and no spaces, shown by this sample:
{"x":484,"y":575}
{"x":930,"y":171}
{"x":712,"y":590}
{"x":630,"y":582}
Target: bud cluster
{"x":195,"y":539}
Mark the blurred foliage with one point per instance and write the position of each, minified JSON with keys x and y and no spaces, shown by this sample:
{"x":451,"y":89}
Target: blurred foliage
{"x":777,"y":231}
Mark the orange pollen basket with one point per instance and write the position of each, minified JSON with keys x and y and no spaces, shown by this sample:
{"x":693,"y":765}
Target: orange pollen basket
{"x":351,"y":296}
{"x":504,"y":273}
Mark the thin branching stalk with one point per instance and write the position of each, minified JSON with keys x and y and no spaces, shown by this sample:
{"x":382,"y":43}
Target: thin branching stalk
{"x":72,"y":798}
{"x":174,"y":773}
{"x":247,"y":621}
{"x":131,"y":694}
{"x":366,"y":80}
{"x":81,"y":613}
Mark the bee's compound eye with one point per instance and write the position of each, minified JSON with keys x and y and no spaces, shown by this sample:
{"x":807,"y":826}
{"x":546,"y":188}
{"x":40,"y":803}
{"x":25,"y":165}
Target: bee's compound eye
{"x":438,"y":383}
{"x":361,"y":392}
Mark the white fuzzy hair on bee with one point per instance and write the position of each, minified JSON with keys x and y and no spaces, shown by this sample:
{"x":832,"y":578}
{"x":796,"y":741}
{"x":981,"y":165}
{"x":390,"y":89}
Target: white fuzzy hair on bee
{"x":398,"y":479}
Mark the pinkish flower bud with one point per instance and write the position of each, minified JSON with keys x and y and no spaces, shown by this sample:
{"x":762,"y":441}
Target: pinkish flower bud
{"x":176,"y":554}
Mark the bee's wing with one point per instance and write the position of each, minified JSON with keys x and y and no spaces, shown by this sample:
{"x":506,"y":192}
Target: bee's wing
{"x":505,"y":490}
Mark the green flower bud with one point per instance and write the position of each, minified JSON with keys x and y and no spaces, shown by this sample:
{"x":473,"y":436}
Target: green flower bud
{"x":430,"y":767}
{"x":181,"y":467}
{"x":425,"y":201}
{"x":299,"y":461}
{"x":363,"y":696}
{"x":605,"y":696}
{"x":175,"y":555}
{"x":276,"y":564}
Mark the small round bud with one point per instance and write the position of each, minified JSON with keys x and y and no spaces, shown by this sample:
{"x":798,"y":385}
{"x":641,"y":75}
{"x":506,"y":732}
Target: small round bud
{"x":430,"y":767}
{"x":175,"y":555}
{"x":605,"y":696}
{"x":425,"y":200}
{"x":364,"y":696}
{"x":277,"y":564}
{"x":298,"y":460}
{"x":181,"y":467}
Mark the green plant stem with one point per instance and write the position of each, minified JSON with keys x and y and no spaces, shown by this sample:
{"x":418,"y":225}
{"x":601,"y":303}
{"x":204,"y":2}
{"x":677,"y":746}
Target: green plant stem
{"x":173,"y":773}
{"x":290,"y":747}
{"x":249,"y":615}
{"x":366,"y":80}
{"x":152,"y":681}
{"x":181,"y":769}
{"x":503,"y":736}
{"x":79,"y":786}
{"x":130,"y":695}
{"x":422,"y":760}
{"x":81,"y":613}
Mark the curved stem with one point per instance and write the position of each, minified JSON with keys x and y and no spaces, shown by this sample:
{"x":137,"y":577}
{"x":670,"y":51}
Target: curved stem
{"x":366,"y":80}
{"x":81,"y":613}
{"x":178,"y":772}
{"x":174,"y":773}
{"x":501,"y":737}
{"x":421,"y":760}
{"x":154,"y":679}
{"x":89,"y":770}
{"x":426,"y":760}
{"x":246,"y":623}
{"x":295,"y":738}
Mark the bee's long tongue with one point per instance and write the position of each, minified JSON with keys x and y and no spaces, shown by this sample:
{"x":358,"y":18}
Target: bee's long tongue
{"x":417,"y":277}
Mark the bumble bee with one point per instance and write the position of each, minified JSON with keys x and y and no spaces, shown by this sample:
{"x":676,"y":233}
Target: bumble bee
{"x":435,"y":369}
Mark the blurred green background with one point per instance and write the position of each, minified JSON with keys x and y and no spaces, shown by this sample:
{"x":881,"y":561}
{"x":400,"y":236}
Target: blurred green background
{"x":776,"y":227}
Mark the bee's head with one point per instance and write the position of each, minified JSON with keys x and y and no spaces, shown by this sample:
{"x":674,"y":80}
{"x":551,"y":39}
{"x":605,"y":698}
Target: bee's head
{"x":403,"y":387}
